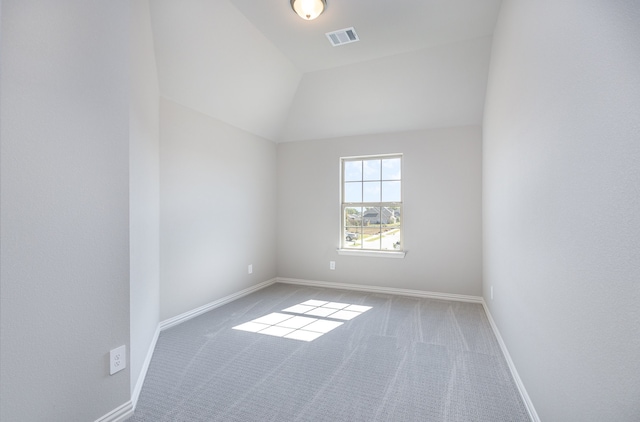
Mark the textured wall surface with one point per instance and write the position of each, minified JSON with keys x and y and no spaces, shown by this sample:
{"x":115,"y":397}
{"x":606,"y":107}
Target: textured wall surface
{"x":442,"y":211}
{"x":144,"y":165}
{"x":562,"y":203}
{"x":217,"y":209}
{"x":64,"y":260}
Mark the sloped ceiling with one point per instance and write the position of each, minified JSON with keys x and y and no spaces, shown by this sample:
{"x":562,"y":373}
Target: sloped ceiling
{"x":385,"y":27}
{"x":437,"y":87}
{"x":212,"y":59}
{"x":258,"y":66}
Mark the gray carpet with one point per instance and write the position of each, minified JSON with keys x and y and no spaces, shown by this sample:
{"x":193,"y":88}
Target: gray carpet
{"x":405,"y":359}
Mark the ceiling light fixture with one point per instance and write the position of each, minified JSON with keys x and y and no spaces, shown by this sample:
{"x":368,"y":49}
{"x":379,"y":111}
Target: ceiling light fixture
{"x":308,"y":9}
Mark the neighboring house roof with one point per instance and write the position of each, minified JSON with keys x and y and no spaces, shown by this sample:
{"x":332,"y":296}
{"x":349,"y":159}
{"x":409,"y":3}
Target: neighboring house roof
{"x":373,"y":213}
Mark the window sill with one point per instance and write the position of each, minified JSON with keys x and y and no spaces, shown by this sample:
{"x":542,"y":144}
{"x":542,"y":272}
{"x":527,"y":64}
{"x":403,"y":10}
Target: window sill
{"x":374,"y":254}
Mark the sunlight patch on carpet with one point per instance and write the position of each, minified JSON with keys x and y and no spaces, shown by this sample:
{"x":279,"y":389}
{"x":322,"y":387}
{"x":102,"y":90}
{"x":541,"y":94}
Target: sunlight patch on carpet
{"x":305,"y":321}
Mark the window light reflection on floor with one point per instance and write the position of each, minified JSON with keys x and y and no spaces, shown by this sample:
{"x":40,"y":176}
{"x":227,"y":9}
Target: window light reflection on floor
{"x":306,"y":321}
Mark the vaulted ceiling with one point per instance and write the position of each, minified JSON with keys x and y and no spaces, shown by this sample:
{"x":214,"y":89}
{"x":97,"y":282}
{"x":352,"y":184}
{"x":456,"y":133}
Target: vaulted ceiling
{"x":257,"y":66}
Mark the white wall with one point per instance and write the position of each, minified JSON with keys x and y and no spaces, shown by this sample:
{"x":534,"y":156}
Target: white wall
{"x":210,"y":58}
{"x":217,"y":209}
{"x":442,"y":211}
{"x":562,"y":203}
{"x":144,"y":183}
{"x":64,"y":256}
{"x":442,"y":86}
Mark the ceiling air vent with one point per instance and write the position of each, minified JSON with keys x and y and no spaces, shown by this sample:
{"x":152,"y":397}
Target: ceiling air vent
{"x":342,"y":36}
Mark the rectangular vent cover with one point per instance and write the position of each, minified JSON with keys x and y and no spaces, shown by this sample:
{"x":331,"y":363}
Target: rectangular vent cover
{"x":342,"y":36}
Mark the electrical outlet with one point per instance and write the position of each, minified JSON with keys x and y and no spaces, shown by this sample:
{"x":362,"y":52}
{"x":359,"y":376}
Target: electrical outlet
{"x":117,"y":359}
{"x":332,"y":265}
{"x":250,"y":268}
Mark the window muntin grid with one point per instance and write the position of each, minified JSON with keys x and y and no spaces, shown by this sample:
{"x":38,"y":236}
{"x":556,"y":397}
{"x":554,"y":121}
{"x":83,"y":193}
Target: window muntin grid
{"x":371,"y":203}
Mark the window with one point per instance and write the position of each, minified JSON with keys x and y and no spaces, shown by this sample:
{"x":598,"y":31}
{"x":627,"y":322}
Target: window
{"x":371,"y":218}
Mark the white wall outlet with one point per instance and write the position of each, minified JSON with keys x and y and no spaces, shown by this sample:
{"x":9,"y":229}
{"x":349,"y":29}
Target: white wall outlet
{"x":250,"y":268}
{"x":332,"y":265}
{"x":117,"y":359}
{"x":491,"y":292}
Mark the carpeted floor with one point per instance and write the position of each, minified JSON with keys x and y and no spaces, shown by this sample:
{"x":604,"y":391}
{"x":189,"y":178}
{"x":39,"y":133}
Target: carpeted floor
{"x":404,"y":359}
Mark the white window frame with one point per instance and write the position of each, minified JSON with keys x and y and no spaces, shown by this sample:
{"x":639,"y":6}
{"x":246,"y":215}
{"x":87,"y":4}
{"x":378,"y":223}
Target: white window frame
{"x":383,"y":253}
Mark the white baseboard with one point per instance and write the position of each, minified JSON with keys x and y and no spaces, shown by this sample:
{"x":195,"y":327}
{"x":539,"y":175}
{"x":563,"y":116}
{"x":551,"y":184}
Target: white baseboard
{"x":433,"y":295}
{"x":135,"y":394}
{"x":512,"y":367}
{"x":119,"y":414}
{"x":385,"y":290}
{"x":168,"y":323}
{"x":129,"y":407}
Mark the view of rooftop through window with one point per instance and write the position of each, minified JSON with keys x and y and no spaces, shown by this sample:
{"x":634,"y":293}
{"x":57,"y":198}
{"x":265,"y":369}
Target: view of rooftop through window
{"x":372,"y":203}
{"x":319,"y":318}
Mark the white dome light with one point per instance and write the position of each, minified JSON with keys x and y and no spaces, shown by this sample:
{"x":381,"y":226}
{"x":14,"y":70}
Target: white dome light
{"x":308,"y":9}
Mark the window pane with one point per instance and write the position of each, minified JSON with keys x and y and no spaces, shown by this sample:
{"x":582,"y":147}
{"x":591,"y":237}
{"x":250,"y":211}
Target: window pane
{"x":371,"y":192}
{"x":371,"y":169}
{"x":391,"y":169}
{"x":371,"y":229}
{"x":352,"y":238}
{"x":397,"y":214}
{"x":353,"y":192}
{"x":353,"y":217}
{"x":391,"y":240}
{"x":352,"y":243}
{"x":391,"y":192}
{"x":391,"y":232}
{"x":371,"y":216}
{"x":352,"y":171}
